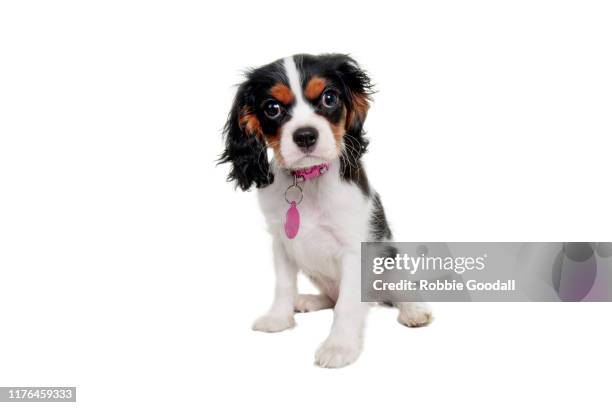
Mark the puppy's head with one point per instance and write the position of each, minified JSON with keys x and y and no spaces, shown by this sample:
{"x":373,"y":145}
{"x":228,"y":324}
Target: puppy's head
{"x":308,"y":109}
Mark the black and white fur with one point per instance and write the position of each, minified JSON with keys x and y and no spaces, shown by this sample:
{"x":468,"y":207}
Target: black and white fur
{"x":339,"y":209}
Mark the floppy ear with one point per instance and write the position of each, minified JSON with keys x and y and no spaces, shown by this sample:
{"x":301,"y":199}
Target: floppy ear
{"x":359,"y":89}
{"x":245,"y":148}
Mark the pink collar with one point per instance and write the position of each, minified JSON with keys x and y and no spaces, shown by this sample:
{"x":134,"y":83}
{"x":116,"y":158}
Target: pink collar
{"x":310,"y":172}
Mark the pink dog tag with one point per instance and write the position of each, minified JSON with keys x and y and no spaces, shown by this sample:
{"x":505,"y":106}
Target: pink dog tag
{"x":292,"y":222}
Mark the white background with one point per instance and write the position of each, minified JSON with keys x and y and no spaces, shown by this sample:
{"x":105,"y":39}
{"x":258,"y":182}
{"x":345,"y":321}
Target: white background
{"x":130,"y":269}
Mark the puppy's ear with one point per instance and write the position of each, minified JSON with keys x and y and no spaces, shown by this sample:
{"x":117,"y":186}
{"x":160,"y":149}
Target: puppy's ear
{"x":359,"y":90}
{"x":245,"y":148}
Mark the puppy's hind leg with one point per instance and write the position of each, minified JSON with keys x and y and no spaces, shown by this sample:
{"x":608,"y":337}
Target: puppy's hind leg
{"x":312,"y":303}
{"x":414,"y":314}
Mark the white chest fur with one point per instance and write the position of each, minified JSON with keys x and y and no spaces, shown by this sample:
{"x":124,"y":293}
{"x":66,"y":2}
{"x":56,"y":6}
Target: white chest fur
{"x":334,"y":218}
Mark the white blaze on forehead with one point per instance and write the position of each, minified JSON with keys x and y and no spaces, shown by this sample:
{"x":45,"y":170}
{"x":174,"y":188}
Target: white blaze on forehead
{"x":295,"y":83}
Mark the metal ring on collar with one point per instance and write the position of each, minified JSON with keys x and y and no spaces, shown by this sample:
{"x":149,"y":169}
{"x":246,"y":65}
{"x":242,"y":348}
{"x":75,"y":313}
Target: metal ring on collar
{"x":301,"y":193}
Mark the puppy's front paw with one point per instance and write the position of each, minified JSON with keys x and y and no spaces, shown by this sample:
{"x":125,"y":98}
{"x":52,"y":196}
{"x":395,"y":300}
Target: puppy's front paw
{"x":333,"y":354}
{"x":273,"y":323}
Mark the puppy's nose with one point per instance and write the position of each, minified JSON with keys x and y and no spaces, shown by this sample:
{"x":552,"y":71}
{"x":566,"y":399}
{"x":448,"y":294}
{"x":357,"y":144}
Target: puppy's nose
{"x":305,"y":137}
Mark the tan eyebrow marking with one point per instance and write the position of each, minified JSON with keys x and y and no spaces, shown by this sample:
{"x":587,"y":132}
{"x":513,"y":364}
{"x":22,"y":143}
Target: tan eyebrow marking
{"x":282,"y":93}
{"x":314,"y":88}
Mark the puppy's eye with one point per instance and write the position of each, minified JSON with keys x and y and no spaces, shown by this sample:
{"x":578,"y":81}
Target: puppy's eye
{"x":272,"y":109}
{"x":329,"y":99}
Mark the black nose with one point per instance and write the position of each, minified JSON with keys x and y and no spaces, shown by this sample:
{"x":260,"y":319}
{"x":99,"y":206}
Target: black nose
{"x":305,"y":137}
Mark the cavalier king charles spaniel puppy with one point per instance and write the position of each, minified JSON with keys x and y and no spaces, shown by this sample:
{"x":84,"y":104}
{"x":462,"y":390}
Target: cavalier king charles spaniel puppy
{"x":319,"y":206}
